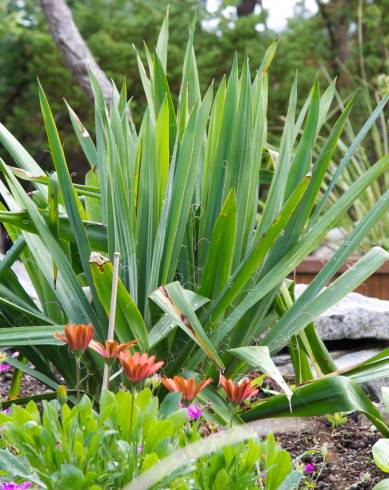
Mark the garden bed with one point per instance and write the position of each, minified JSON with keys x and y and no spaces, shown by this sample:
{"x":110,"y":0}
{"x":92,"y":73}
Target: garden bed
{"x":341,"y":456}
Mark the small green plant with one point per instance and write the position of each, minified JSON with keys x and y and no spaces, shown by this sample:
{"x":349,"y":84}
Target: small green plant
{"x":380,"y":449}
{"x":249,"y":465}
{"x":84,"y":447}
{"x":337,"y":420}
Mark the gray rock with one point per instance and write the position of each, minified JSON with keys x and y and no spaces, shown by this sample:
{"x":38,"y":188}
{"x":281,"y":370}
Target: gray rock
{"x":355,"y":317}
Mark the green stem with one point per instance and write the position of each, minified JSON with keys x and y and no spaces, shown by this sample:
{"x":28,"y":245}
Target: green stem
{"x":132,"y":407}
{"x":78,"y":376}
{"x":232,"y":415}
{"x":16,"y":380}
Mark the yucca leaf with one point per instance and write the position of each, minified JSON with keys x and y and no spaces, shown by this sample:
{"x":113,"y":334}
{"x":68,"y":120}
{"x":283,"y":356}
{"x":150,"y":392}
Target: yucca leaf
{"x":329,"y":270}
{"x":72,"y":203}
{"x":356,"y":142}
{"x":129,"y":323}
{"x":97,"y":233}
{"x":83,"y":137}
{"x":173,"y":301}
{"x":275,"y":198}
{"x":92,"y":203}
{"x":252,"y":262}
{"x":327,"y":395}
{"x":183,"y":185}
{"x":32,"y":372}
{"x":302,"y":159}
{"x":21,"y":156}
{"x":258,"y":357}
{"x":81,"y":310}
{"x":12,"y":255}
{"x":163,"y":39}
{"x":166,"y":324}
{"x":294,"y":256}
{"x":217,"y":268}
{"x":349,"y":280}
{"x":33,"y":335}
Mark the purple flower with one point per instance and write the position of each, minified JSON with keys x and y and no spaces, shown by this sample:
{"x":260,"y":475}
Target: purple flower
{"x":7,"y":410}
{"x":194,"y":412}
{"x":4,"y":367}
{"x":139,"y":449}
{"x":309,"y":468}
{"x":16,"y":486}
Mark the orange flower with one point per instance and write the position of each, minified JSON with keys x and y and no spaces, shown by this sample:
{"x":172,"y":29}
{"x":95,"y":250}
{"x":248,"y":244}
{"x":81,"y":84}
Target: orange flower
{"x":238,"y":392}
{"x":187,"y":387}
{"x":111,"y":349}
{"x":138,"y":366}
{"x":77,"y":336}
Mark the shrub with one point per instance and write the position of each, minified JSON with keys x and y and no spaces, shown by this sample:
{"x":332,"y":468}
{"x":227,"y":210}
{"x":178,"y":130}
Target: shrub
{"x":209,"y":222}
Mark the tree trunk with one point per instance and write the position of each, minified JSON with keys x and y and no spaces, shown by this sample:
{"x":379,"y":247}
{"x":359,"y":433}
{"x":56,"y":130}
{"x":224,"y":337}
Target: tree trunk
{"x":74,"y":50}
{"x":246,"y":7}
{"x":336,"y":16}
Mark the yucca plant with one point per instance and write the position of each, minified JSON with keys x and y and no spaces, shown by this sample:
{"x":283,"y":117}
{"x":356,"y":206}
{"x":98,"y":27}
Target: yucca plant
{"x":360,"y":162}
{"x":207,"y":235}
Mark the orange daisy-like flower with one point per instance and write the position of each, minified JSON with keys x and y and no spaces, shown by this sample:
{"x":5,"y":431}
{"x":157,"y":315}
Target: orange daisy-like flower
{"x":188,"y":388}
{"x":238,"y":392}
{"x":77,"y":336}
{"x":138,"y":367}
{"x":111,"y":349}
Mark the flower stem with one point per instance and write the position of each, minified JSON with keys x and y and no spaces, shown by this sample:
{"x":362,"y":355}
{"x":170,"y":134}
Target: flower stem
{"x":132,"y":408}
{"x":232,"y":415}
{"x":78,"y":376}
{"x":105,"y":385}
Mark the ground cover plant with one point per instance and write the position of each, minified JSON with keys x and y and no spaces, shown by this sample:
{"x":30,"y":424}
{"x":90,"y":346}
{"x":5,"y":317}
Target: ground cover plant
{"x":209,"y":223}
{"x":59,"y":446}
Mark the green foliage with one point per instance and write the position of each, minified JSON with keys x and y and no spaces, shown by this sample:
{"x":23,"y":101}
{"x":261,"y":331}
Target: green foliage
{"x":242,"y":466}
{"x":60,"y":446}
{"x":84,"y":446}
{"x":177,"y":196}
{"x":380,"y":449}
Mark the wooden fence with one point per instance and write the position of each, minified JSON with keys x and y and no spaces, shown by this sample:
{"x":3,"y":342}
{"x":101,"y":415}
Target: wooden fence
{"x":376,"y":286}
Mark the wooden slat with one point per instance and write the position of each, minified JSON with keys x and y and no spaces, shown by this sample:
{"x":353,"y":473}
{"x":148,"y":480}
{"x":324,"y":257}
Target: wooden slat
{"x":376,"y":286}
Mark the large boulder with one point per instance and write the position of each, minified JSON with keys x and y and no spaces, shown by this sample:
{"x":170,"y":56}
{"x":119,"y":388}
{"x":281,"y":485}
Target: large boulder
{"x":355,"y":317}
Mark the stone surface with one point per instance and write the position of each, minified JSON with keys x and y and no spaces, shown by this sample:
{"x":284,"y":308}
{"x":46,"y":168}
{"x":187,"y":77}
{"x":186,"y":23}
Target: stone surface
{"x":343,"y":359}
{"x":354,"y":317}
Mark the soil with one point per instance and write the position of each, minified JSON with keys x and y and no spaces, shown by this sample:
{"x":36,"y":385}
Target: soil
{"x":29,"y":385}
{"x":342,"y":456}
{"x":348,"y":463}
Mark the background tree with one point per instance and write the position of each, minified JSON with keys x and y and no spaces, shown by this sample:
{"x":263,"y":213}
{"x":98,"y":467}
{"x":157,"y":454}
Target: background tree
{"x":75,"y":52}
{"x":109,"y":28}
